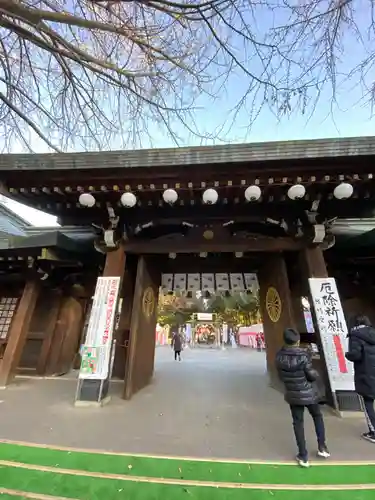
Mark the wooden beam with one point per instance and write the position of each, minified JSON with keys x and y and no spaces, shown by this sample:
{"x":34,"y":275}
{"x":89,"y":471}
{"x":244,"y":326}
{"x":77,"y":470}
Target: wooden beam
{"x":198,"y":265}
{"x":181,"y":246}
{"x":48,"y":254}
{"x":18,"y":332}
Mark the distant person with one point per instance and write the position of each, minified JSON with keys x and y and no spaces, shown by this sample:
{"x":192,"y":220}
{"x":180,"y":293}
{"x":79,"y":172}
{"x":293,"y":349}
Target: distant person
{"x":301,"y":391}
{"x":177,"y":346}
{"x":361,"y":353}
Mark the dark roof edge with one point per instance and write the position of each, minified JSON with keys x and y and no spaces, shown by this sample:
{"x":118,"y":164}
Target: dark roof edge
{"x":70,"y":230}
{"x":197,"y":155}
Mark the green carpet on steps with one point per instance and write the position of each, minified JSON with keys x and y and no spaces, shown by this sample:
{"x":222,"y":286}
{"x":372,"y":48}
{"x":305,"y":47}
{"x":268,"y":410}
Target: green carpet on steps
{"x":12,"y":497}
{"x":89,"y":488}
{"x":189,"y":469}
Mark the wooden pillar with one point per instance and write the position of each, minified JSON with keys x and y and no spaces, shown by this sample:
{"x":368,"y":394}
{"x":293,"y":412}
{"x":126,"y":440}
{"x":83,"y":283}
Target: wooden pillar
{"x":312,"y":263}
{"x":115,"y":263}
{"x":276,"y":308}
{"x":53,"y":314}
{"x":18,"y":332}
{"x":95,"y":391}
{"x":123,"y":332}
{"x":115,"y":266}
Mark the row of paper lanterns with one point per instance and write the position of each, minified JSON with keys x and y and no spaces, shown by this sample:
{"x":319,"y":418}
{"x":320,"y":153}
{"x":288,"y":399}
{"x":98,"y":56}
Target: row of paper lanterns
{"x":210,"y":196}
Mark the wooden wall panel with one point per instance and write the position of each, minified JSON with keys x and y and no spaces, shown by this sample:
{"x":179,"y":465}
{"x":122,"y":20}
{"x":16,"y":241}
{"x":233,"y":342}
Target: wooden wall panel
{"x":41,"y":326}
{"x":66,"y":337}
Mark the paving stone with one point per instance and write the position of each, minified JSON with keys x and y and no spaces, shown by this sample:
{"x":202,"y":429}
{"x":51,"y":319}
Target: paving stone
{"x":212,"y":404}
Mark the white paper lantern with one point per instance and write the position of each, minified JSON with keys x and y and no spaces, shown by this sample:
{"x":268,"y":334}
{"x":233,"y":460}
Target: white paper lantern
{"x":253,"y":193}
{"x":86,"y":200}
{"x":170,"y":196}
{"x":128,"y":200}
{"x":296,"y":192}
{"x":343,"y":191}
{"x":210,"y":196}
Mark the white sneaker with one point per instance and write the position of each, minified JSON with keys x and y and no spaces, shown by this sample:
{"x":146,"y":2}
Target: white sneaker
{"x":369,"y":436}
{"x":302,"y":462}
{"x":323,"y":452}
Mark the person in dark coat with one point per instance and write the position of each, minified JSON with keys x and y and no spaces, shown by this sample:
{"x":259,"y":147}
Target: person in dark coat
{"x":295,"y":370}
{"x":361,"y":353}
{"x":177,"y":346}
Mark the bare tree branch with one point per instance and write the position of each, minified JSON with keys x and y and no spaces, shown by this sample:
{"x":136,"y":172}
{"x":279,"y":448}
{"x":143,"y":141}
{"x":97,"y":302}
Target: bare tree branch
{"x":94,"y":74}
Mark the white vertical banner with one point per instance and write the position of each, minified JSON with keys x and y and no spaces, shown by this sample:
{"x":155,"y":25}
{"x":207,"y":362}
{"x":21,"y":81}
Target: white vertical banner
{"x":180,"y":282}
{"x":96,"y":352}
{"x":167,"y":283}
{"x":333,"y":332}
{"x":237,"y":282}
{"x":208,"y":282}
{"x":194,"y":282}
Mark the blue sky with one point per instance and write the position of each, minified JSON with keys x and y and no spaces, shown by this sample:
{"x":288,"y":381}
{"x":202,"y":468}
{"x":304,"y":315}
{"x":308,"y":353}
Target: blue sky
{"x":352,"y":122}
{"x":351,"y":116}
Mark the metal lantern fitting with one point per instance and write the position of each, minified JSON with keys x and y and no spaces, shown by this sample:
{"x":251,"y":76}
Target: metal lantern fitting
{"x":343,"y":191}
{"x":210,"y":196}
{"x":128,"y":200}
{"x":170,"y":196}
{"x":86,"y":200}
{"x":253,"y":193}
{"x":296,"y":192}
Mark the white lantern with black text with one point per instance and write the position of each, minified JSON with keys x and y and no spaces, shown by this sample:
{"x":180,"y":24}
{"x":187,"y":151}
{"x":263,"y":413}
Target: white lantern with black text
{"x":210,"y":196}
{"x":253,"y":193}
{"x":170,"y":196}
{"x":296,"y":192}
{"x":86,"y":200}
{"x":128,"y":200}
{"x":343,"y":191}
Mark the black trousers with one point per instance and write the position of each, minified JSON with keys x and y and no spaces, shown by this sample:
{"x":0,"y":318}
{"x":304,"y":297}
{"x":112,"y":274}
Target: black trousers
{"x":368,"y":406}
{"x":299,"y":428}
{"x":177,"y":353}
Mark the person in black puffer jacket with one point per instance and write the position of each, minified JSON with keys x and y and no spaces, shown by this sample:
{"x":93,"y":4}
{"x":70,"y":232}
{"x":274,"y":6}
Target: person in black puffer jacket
{"x":361,"y":352}
{"x":295,"y":370}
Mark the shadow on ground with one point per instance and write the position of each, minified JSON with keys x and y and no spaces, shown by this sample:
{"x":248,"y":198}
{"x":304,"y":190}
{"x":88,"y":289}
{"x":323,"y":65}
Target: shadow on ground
{"x":212,"y":404}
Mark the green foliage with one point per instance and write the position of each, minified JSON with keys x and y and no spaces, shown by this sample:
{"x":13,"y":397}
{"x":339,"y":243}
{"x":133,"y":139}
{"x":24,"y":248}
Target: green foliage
{"x":175,"y":310}
{"x":235,"y":309}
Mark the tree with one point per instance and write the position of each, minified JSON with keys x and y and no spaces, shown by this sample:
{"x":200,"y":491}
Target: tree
{"x":176,"y":310}
{"x":96,"y":74}
{"x":237,"y":308}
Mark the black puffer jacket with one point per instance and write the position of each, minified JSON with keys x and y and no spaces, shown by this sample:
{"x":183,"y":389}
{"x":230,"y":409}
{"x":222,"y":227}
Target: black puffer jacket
{"x":362,"y":353}
{"x":299,"y":377}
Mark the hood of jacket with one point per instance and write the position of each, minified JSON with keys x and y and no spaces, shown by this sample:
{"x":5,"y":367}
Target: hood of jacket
{"x":365,"y":333}
{"x":291,"y":358}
